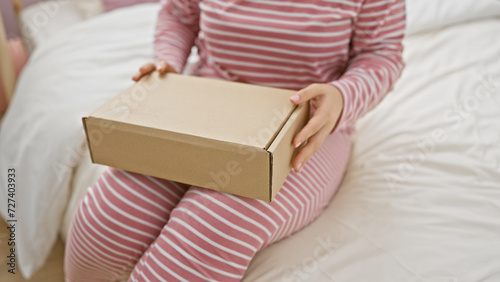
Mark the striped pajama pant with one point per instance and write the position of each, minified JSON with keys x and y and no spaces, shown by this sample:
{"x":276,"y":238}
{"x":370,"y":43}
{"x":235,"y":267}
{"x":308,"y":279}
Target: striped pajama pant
{"x":150,"y":229}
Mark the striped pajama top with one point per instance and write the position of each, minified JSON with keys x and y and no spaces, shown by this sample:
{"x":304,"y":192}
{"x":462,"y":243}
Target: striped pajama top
{"x":353,"y":44}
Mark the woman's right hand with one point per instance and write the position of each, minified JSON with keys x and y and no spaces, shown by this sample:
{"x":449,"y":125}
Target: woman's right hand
{"x":162,"y":67}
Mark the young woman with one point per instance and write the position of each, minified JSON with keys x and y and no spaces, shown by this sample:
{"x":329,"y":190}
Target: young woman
{"x":342,"y":56}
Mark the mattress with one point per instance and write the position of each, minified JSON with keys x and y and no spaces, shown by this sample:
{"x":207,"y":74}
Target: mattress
{"x":419,"y":201}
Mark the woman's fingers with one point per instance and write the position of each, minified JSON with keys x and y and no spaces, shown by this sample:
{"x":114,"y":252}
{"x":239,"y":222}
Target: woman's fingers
{"x":162,"y":67}
{"x":313,"y":145}
{"x":137,"y":76}
{"x":145,"y":69}
{"x":310,"y":92}
{"x":317,"y":121}
{"x":328,"y":103}
{"x":312,"y":127}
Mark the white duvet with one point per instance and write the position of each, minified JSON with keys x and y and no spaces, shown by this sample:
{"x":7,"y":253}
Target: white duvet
{"x":420,"y":200}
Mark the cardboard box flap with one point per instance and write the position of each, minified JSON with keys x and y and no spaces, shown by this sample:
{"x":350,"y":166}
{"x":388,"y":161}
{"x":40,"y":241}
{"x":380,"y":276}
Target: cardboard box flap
{"x":152,"y":132}
{"x":178,"y":103}
{"x":282,"y":150}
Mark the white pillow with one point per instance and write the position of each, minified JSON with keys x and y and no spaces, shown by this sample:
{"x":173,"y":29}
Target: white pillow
{"x":40,"y":21}
{"x":90,"y":8}
{"x":430,"y":14}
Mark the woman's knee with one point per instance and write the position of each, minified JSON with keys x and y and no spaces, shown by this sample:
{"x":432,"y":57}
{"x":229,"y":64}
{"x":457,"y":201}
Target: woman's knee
{"x":87,"y":257}
{"x":115,"y":222}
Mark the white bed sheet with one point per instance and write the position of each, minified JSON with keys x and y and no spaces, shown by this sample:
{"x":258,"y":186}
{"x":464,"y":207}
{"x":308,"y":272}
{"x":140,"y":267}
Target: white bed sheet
{"x":394,"y":219}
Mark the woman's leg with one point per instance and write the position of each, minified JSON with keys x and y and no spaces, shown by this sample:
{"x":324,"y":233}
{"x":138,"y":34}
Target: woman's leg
{"x":214,"y":236}
{"x":116,"y":221}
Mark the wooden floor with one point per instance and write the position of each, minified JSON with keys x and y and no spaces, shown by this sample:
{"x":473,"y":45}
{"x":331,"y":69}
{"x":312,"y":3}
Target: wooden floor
{"x":52,"y":271}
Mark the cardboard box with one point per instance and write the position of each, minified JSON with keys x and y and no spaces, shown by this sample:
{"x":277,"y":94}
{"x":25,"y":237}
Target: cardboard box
{"x":227,"y":136}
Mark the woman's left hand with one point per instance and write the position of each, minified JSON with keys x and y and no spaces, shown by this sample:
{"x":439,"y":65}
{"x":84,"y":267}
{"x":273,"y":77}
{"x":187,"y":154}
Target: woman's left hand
{"x":328,"y":102}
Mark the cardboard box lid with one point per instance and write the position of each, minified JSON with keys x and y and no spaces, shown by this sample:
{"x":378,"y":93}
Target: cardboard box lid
{"x":178,"y":103}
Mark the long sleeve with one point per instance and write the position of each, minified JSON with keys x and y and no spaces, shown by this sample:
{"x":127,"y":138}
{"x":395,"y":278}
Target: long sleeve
{"x":375,"y":60}
{"x":176,"y":30}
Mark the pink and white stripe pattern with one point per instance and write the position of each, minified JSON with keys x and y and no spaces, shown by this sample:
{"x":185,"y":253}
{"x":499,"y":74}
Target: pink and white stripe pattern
{"x":353,"y":44}
{"x":165,"y":231}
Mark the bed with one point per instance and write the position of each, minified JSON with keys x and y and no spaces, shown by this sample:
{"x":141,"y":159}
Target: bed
{"x":421,"y":197}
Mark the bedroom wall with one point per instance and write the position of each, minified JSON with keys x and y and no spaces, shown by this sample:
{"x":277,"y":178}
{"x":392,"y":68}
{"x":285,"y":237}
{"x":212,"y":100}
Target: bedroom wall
{"x":9,"y":17}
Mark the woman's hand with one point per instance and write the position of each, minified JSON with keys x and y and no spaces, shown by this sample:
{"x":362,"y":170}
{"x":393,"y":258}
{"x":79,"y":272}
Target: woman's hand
{"x":162,"y":67}
{"x":328,"y":102}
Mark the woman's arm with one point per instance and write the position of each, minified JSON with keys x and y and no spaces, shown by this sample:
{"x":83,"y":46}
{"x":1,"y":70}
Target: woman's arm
{"x":176,"y":30}
{"x":375,"y":58}
{"x":374,"y":65}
